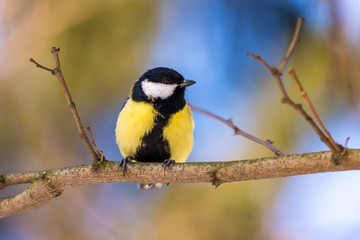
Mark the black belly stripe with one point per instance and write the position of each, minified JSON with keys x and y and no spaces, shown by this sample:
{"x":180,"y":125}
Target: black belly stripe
{"x":154,"y":148}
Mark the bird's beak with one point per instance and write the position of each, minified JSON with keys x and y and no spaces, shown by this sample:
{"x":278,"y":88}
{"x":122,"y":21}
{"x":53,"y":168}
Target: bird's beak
{"x":187,"y":83}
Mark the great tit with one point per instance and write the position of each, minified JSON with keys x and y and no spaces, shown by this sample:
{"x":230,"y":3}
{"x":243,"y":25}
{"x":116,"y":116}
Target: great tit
{"x":156,"y":124}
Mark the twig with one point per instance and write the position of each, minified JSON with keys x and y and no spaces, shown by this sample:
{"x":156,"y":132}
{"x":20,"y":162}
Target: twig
{"x":102,"y":157}
{"x":99,"y":153}
{"x":52,"y":71}
{"x":58,"y":73}
{"x":54,"y":181}
{"x":292,"y":45}
{"x":230,"y":124}
{"x":312,"y":108}
{"x":286,"y":99}
{"x":345,"y":146}
{"x":274,"y":72}
{"x":277,"y":73}
{"x":93,"y":141}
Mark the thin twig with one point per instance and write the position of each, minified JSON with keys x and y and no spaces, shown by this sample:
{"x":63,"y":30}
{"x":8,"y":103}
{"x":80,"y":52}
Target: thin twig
{"x":277,"y":74}
{"x":274,"y":72}
{"x":345,"y":146}
{"x":102,"y":157}
{"x":286,"y":99}
{"x":52,"y":71}
{"x":312,"y":108}
{"x":230,"y":124}
{"x":83,"y":136}
{"x":292,"y":45}
{"x":93,"y":141}
{"x":261,"y":61}
{"x":58,"y":73}
{"x":312,"y":123}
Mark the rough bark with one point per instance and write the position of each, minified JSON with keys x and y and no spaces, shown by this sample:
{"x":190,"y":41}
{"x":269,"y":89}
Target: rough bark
{"x":50,"y":183}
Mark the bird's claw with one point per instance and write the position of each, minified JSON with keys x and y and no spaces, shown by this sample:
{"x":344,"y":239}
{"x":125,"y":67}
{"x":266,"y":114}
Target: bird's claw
{"x":123,"y":163}
{"x":167,"y":163}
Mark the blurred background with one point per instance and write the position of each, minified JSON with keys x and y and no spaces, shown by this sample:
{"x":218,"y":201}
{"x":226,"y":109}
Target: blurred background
{"x":107,"y":45}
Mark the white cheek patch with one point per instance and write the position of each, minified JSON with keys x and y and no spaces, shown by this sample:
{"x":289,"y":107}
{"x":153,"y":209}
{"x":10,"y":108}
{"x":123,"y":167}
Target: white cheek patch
{"x":158,"y":90}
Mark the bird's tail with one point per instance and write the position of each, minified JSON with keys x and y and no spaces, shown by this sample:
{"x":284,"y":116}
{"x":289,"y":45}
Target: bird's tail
{"x":146,"y":186}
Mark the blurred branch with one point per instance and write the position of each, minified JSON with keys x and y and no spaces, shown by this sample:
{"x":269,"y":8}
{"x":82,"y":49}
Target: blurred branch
{"x":293,"y":43}
{"x":58,"y":73}
{"x":237,"y":130}
{"x":277,"y":73}
{"x":49,"y":184}
{"x":312,"y":108}
{"x":99,"y":153}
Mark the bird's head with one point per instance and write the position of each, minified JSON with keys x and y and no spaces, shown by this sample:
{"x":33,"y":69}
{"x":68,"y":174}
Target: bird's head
{"x":160,"y":84}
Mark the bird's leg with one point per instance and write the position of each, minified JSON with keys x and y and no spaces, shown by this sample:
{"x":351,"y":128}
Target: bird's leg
{"x":167,"y":163}
{"x":123,"y":163}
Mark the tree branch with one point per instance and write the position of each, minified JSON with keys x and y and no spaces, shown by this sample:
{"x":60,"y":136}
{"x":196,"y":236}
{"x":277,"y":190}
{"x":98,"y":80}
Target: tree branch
{"x":51,"y":183}
{"x":58,"y":73}
{"x":293,"y":43}
{"x":312,"y":108}
{"x":326,"y":138}
{"x":238,"y":131}
{"x":287,"y":100}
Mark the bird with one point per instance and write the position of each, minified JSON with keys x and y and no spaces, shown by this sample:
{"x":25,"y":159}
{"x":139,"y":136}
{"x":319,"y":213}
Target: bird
{"x":156,"y":123}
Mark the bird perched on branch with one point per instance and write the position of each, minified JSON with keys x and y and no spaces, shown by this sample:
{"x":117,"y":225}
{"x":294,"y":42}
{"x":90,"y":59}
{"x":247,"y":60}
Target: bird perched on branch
{"x":156,"y":123}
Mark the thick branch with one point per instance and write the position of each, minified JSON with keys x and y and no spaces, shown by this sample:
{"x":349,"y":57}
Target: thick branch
{"x":49,"y":184}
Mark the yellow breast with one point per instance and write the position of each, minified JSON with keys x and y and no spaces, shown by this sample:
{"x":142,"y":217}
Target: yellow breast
{"x":135,"y":120}
{"x":179,"y":133}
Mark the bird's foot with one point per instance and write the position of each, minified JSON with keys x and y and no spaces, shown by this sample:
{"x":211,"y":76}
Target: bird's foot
{"x":167,"y":163}
{"x":123,"y":163}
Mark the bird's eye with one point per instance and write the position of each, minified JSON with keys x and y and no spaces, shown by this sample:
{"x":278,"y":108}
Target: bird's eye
{"x":167,"y":80}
